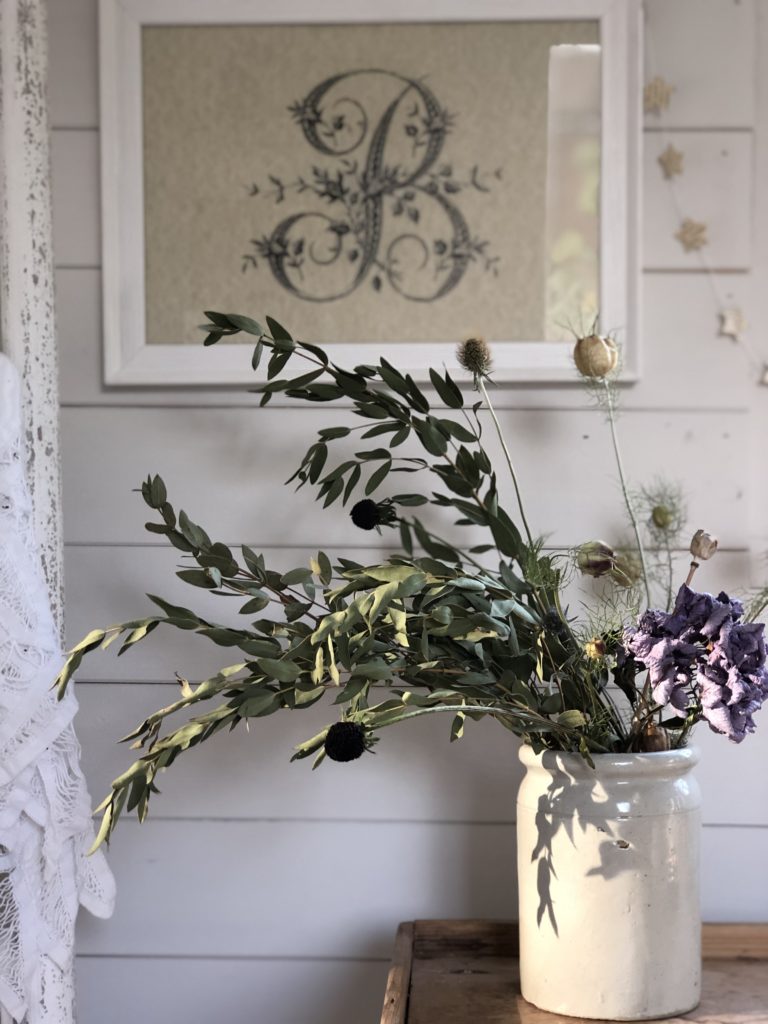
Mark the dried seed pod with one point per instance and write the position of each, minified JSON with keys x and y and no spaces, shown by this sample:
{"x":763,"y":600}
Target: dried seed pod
{"x":474,"y":355}
{"x":703,"y":545}
{"x":595,"y":355}
{"x":653,"y":738}
{"x":662,"y":517}
{"x":595,"y":558}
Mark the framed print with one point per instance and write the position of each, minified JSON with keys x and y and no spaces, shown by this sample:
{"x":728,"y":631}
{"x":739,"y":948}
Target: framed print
{"x":380,"y":184}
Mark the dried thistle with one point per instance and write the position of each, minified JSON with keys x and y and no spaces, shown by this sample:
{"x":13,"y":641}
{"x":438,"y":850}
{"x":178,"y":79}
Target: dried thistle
{"x":474,"y":355}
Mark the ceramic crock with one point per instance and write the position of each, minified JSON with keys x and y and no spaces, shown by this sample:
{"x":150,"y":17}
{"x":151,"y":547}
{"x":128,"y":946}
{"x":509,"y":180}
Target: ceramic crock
{"x":608,"y":875}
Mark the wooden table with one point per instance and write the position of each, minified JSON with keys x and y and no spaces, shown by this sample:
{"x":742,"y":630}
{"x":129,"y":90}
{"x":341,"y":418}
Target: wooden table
{"x":466,"y":972}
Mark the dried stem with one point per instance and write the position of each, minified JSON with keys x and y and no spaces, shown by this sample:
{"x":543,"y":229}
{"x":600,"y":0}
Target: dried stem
{"x":491,"y":410}
{"x":624,"y":488}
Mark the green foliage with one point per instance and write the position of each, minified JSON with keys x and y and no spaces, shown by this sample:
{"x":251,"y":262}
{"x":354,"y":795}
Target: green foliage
{"x":432,"y":630}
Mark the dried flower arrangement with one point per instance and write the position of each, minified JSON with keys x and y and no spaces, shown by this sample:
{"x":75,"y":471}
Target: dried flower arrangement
{"x":439,"y":629}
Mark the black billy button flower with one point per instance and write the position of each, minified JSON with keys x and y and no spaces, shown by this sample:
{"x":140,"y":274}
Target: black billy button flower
{"x":345,"y":741}
{"x":368,"y":514}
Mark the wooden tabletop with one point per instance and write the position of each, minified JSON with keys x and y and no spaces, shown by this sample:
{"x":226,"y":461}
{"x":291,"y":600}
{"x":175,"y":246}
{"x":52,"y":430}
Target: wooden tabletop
{"x":466,"y":972}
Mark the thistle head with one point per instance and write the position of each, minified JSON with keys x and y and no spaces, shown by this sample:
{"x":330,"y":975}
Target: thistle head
{"x":474,"y":355}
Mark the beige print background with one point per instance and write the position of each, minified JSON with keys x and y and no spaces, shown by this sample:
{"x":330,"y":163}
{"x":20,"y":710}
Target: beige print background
{"x":216,"y":121}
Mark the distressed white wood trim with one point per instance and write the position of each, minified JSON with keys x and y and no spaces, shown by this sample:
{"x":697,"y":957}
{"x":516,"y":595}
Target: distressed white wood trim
{"x":128,"y":360}
{"x":27,"y":323}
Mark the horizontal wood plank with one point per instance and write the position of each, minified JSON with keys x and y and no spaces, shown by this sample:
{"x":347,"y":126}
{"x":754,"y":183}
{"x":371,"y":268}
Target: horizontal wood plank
{"x":333,"y":889}
{"x":167,"y":990}
{"x":735,"y":942}
{"x":416,"y":775}
{"x":227,"y":468}
{"x":288,"y":889}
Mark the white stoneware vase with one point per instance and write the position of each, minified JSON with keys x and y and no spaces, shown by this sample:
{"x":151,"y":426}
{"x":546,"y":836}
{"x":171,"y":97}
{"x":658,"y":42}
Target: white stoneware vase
{"x":608,"y":874}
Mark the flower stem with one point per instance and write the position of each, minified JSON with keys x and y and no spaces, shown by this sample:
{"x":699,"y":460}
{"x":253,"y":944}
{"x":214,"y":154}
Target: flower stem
{"x":624,"y":489}
{"x":492,"y":411}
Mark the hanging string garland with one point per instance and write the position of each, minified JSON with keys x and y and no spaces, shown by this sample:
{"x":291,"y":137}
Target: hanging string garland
{"x":692,"y":234}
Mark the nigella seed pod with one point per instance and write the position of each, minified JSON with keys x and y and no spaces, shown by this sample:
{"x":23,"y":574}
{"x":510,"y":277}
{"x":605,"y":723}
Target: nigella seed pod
{"x":595,"y":356}
{"x":595,"y":558}
{"x":662,"y":517}
{"x":703,"y":545}
{"x":345,"y":741}
{"x":627,"y":569}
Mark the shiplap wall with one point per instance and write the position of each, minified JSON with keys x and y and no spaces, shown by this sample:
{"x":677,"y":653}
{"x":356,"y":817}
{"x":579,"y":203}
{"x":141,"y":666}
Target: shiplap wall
{"x":259,"y":892}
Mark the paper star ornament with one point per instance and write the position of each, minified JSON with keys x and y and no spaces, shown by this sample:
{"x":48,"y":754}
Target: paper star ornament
{"x":692,"y":235}
{"x":671,"y":161}
{"x":656,"y":95}
{"x":732,"y":323}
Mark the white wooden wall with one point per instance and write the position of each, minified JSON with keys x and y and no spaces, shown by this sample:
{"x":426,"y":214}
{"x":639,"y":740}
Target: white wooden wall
{"x":259,"y":892}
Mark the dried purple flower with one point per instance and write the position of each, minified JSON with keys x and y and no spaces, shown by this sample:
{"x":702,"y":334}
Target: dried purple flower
{"x":701,"y":653}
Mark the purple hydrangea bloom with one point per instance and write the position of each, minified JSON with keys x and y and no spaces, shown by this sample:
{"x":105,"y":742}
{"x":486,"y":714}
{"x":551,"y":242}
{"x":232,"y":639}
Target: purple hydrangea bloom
{"x":701,"y":652}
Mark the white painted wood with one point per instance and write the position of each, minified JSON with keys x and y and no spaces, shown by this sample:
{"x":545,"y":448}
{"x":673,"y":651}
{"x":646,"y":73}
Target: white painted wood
{"x":73,"y":69}
{"x":108,"y":584}
{"x":76,"y":241}
{"x":416,"y":775}
{"x":339,"y":889}
{"x":413,"y":776}
{"x":706,"y":50}
{"x":27,"y":327}
{"x":237,"y":888}
{"x":127,"y":358}
{"x":225,"y":467}
{"x":759,"y":292}
{"x":239,"y":991}
{"x":715,"y":188}
{"x":713,"y":373}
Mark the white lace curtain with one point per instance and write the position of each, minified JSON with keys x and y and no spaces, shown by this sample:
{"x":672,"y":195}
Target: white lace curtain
{"x":45,"y":822}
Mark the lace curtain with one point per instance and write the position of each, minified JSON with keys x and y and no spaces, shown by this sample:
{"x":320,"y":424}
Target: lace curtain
{"x":45,"y":814}
{"x":45,"y":820}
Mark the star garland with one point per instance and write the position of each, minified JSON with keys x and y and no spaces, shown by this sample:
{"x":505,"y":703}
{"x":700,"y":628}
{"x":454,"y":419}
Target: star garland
{"x":692,"y":234}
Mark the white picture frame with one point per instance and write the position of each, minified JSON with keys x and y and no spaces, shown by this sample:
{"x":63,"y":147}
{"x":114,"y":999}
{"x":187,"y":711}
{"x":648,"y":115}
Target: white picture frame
{"x":130,"y":362}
